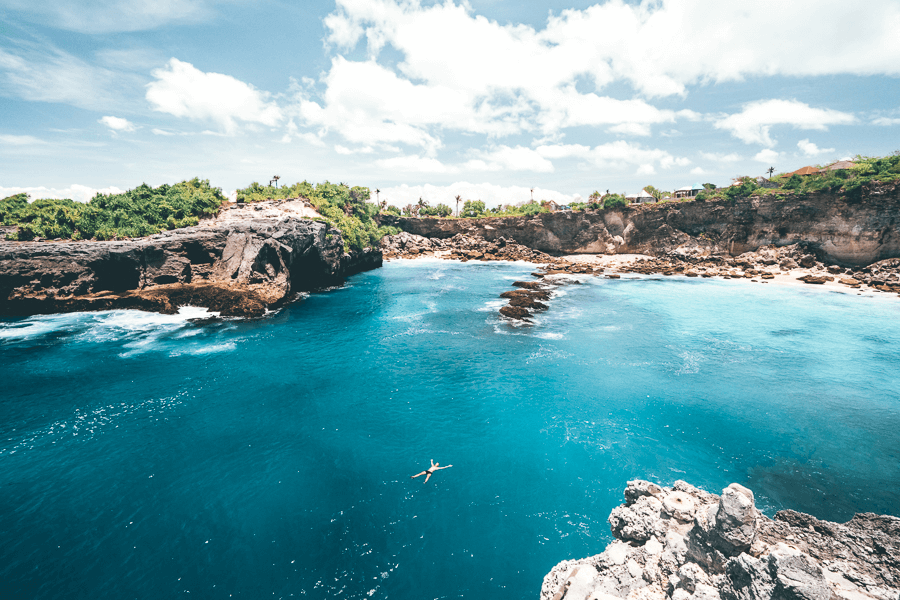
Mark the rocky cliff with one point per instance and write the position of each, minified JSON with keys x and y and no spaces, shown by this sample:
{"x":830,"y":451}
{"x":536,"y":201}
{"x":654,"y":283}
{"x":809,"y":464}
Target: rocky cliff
{"x":232,"y":266}
{"x":839,"y":229}
{"x":682,"y":543}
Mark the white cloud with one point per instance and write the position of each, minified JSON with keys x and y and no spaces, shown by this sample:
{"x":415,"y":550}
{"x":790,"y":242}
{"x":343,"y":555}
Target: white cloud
{"x":79,"y":193}
{"x":509,"y":159}
{"x":810,"y":149}
{"x":698,"y":171}
{"x":613,"y":155}
{"x":766,"y":155}
{"x":642,"y":129}
{"x":753,"y":123}
{"x":43,"y":73}
{"x":182,"y":90}
{"x":647,"y":169}
{"x":604,"y":42}
{"x":491,"y":195}
{"x":886,"y":121}
{"x":117,"y":123}
{"x":156,"y":131}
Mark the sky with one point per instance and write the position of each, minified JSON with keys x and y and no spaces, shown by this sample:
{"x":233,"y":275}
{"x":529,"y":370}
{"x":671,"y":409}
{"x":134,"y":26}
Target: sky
{"x":488,"y":99}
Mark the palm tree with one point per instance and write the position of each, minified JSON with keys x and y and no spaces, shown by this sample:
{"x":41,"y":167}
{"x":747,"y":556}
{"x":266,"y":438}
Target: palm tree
{"x":275,"y":178}
{"x":377,"y":191}
{"x":458,"y":199}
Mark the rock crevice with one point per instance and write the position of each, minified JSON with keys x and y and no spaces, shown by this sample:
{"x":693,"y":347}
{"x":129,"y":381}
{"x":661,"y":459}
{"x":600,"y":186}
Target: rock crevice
{"x":682,"y":543}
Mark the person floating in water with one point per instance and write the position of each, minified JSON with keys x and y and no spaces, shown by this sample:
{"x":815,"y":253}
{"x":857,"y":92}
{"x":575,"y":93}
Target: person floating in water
{"x":430,"y":471}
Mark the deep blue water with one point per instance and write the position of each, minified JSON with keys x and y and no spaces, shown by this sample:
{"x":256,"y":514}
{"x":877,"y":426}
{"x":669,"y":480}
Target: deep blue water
{"x":145,"y":456}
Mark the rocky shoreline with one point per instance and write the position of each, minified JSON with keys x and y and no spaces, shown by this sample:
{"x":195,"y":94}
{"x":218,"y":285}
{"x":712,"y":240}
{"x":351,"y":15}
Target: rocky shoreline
{"x":763,"y":265}
{"x":236,"y":266}
{"x":682,"y":543}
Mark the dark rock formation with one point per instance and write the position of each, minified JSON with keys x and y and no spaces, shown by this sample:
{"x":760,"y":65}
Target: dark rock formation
{"x":840,"y":229}
{"x":686,"y":544}
{"x":237,"y":268}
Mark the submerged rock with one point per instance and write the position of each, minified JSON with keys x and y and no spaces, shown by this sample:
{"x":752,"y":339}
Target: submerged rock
{"x":682,"y":543}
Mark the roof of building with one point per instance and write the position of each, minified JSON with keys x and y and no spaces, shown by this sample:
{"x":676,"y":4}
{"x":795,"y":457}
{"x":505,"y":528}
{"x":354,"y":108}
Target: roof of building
{"x":841,"y":164}
{"x":804,"y":171}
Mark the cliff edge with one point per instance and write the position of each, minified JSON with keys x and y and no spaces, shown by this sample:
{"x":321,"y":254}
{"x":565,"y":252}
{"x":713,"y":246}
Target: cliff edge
{"x":234,"y":266}
{"x":682,"y":543}
{"x":847,"y":230}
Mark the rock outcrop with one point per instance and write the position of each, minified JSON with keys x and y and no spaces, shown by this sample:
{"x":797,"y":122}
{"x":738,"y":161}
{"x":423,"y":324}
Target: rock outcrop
{"x":236,"y":267}
{"x":682,"y":543}
{"x":459,"y":247}
{"x":849,"y":231}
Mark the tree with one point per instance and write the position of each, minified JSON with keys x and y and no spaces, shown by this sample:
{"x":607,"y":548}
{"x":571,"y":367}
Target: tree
{"x":457,"y":205}
{"x":709,"y":186}
{"x":595,"y":196}
{"x":473,"y":209}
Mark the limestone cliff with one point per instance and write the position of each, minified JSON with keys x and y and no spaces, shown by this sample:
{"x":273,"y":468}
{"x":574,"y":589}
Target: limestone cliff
{"x":840,"y":229}
{"x":233,"y":266}
{"x":682,"y":543}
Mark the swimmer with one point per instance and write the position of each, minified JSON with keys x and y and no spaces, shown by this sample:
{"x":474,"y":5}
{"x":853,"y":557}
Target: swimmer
{"x":430,"y":471}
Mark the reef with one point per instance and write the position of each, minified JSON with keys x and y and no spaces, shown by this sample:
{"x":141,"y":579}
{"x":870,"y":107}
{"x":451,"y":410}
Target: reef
{"x":234,"y":266}
{"x":682,"y":543}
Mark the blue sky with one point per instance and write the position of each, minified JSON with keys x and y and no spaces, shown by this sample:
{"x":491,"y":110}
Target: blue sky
{"x":484,"y":98}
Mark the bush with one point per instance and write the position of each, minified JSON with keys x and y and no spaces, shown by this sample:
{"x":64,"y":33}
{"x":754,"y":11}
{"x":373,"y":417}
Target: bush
{"x":139,"y":212}
{"x":742,"y":190}
{"x":614,"y":200}
{"x":473,"y":209}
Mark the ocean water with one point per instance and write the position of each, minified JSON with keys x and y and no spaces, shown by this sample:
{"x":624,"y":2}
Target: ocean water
{"x":146,"y":456}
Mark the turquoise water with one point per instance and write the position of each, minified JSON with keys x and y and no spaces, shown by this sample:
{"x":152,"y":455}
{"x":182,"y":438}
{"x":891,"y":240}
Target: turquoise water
{"x":146,"y":456}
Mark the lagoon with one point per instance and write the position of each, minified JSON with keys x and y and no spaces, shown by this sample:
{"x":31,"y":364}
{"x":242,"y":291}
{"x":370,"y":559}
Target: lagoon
{"x":152,"y":456}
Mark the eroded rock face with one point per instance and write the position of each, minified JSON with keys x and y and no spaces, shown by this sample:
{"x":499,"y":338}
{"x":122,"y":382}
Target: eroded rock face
{"x":848,"y":231}
{"x":236,"y":268}
{"x":682,"y":543}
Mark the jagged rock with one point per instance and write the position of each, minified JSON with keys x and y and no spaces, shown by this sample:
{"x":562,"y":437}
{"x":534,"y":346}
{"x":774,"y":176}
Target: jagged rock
{"x":807,"y":261}
{"x":526,"y":302}
{"x":266,"y":260}
{"x":535,"y":294}
{"x":515,"y":312}
{"x":529,"y":285}
{"x":730,"y":551}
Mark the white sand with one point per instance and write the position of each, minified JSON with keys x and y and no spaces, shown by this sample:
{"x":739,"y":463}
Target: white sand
{"x":781,"y":277}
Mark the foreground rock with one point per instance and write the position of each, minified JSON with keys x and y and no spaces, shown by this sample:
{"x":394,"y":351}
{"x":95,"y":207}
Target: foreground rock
{"x":238,"y":267}
{"x":683,"y":543}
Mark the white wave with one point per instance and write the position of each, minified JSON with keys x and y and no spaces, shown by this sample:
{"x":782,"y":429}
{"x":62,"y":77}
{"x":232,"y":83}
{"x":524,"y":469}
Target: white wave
{"x":210,"y":349}
{"x":549,"y":335}
{"x":492,"y":306}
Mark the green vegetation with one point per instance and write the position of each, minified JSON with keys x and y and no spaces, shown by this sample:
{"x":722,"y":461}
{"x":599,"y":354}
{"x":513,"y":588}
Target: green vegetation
{"x":341,"y":206}
{"x":472,"y":209}
{"x":135,"y":213}
{"x":868,"y":169}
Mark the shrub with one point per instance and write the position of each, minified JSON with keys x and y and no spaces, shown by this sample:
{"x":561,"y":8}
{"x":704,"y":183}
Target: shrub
{"x":614,"y":200}
{"x":135,"y":213}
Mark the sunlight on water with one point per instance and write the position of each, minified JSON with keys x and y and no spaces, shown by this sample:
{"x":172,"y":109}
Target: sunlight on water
{"x":150,"y":456}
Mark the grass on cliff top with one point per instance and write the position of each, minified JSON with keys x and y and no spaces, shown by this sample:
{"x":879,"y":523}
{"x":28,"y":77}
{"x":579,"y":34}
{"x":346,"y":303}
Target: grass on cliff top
{"x":848,"y":182}
{"x":341,"y":206}
{"x":136,"y":213}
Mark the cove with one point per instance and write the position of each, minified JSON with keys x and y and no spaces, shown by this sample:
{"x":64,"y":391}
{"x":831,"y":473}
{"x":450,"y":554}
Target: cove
{"x":150,"y":456}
